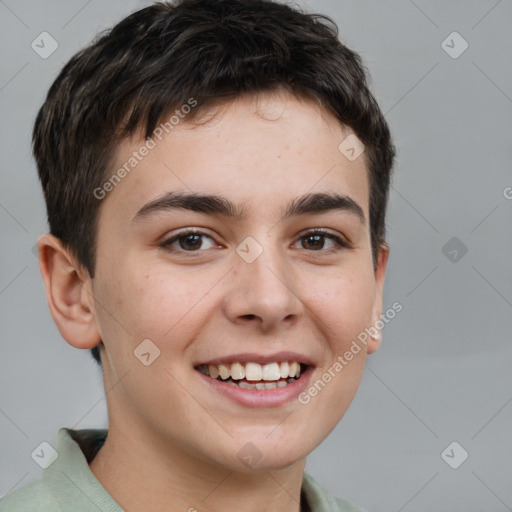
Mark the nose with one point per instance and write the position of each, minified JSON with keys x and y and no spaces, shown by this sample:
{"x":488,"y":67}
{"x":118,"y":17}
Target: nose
{"x":264,"y":292}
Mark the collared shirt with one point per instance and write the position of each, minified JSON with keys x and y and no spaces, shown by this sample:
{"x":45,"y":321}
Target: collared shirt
{"x":68,"y":484}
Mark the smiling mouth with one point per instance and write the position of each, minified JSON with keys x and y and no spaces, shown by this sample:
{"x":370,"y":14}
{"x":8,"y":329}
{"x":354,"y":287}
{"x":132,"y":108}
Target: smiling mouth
{"x":253,"y":375}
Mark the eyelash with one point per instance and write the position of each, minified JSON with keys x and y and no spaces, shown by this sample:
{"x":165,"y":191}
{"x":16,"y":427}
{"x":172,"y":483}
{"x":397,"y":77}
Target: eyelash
{"x":340,"y":242}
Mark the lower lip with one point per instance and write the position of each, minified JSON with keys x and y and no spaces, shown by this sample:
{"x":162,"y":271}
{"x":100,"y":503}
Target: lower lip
{"x":261,"y":397}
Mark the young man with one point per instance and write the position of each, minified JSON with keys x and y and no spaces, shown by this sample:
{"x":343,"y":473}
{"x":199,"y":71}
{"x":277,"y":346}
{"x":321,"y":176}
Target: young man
{"x":216,"y":175}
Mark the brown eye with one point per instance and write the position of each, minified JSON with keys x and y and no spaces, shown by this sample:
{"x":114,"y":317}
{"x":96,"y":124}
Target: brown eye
{"x":315,"y":241}
{"x":191,"y":241}
{"x":188,"y":241}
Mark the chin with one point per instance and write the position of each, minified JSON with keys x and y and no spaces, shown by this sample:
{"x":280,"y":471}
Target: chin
{"x":265,"y":454}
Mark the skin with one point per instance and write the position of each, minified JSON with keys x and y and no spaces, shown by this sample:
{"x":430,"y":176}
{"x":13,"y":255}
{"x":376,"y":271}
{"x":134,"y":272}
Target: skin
{"x":173,"y":442}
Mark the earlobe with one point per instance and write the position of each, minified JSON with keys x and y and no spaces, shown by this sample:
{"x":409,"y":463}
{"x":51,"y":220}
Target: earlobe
{"x":374,"y":343}
{"x":380,"y":272}
{"x":69,"y":293}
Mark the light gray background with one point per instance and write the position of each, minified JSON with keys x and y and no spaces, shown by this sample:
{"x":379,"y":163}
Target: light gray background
{"x":443,"y":372}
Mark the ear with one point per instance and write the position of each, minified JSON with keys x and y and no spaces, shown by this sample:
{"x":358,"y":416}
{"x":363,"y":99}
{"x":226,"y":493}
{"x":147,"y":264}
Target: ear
{"x":380,"y":271}
{"x":69,"y":293}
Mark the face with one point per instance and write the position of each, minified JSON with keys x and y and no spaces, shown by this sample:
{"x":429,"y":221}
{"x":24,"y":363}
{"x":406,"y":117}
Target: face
{"x":254,"y":275}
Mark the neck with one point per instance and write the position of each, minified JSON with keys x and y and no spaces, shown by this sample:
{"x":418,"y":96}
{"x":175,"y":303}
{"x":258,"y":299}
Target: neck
{"x":142,"y":475}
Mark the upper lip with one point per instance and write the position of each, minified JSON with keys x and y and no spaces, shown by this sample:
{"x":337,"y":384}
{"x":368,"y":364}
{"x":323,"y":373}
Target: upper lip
{"x":252,"y":357}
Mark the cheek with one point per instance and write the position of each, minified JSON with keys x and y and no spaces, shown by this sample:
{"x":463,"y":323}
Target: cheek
{"x":157,"y":304}
{"x":345,"y":306}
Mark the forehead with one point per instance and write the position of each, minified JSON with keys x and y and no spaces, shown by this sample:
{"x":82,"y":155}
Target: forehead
{"x":260,"y":150}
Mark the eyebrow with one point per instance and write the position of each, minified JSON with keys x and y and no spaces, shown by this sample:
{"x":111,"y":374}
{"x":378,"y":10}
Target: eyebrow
{"x":218,"y":205}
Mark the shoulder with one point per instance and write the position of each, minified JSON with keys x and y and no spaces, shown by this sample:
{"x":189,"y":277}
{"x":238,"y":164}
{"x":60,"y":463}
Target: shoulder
{"x":320,"y":500}
{"x":33,"y":497}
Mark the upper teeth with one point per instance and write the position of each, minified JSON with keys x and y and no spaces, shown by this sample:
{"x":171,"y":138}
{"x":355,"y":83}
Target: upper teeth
{"x":253,"y":371}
